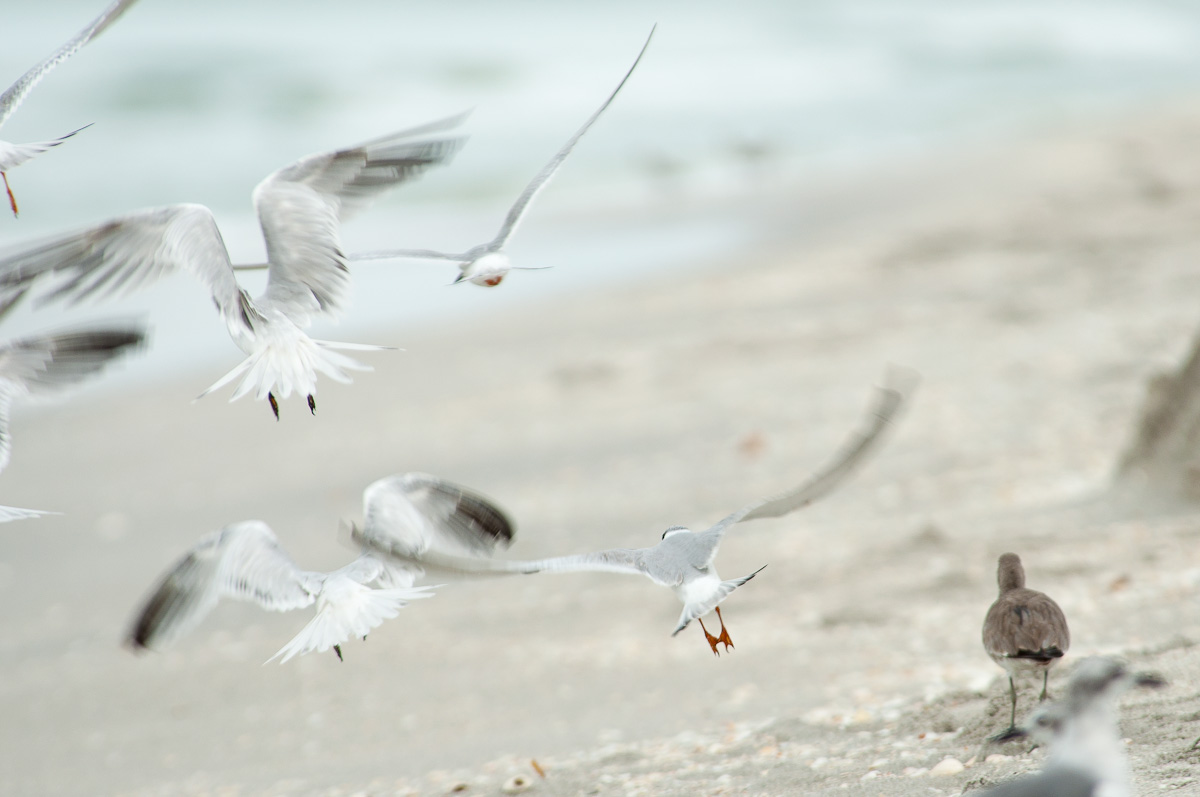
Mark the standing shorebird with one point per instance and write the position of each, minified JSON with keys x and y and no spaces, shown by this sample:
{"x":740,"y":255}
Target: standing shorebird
{"x":1085,"y":756}
{"x":1024,"y":630}
{"x":13,"y":155}
{"x":300,"y":209}
{"x":683,"y":560}
{"x":488,"y":263}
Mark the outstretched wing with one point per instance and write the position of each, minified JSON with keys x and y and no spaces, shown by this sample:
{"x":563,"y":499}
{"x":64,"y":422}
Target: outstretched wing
{"x":539,"y":182}
{"x":619,"y":560}
{"x":888,"y":402}
{"x":301,"y":207}
{"x":410,"y":514}
{"x":50,"y":363}
{"x":125,"y":252}
{"x":15,"y":94}
{"x":241,"y":561}
{"x":419,"y":254}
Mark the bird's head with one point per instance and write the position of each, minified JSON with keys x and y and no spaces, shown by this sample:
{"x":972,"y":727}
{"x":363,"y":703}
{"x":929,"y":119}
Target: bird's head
{"x":676,"y":530}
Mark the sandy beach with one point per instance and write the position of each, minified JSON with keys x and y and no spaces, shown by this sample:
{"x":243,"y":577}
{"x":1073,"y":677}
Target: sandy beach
{"x":1036,"y":287}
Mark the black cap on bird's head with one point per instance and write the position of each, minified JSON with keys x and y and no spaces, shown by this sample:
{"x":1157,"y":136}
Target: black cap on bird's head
{"x":674,"y":529}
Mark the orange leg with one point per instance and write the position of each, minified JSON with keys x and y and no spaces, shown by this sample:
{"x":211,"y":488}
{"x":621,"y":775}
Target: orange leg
{"x":712,"y":640}
{"x":12,"y":200}
{"x":724,"y":637}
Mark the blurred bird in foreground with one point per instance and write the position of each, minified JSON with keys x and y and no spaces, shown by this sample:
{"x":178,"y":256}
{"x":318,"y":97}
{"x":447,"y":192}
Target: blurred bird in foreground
{"x":1085,"y":755}
{"x":13,"y":155}
{"x":488,"y":263}
{"x":300,"y":208}
{"x":683,"y":560}
{"x":244,"y":561}
{"x":46,"y":365}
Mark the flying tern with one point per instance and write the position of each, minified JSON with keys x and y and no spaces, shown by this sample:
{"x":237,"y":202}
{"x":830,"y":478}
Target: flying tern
{"x":300,"y":208}
{"x":13,"y":155}
{"x":683,"y":559}
{"x":48,"y":364}
{"x":244,"y":561}
{"x":488,"y":263}
{"x":1025,"y":631}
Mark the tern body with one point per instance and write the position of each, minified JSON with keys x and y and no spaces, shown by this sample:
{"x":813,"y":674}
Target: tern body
{"x":487,"y":264}
{"x":683,"y":559}
{"x":13,"y":155}
{"x":300,"y":209}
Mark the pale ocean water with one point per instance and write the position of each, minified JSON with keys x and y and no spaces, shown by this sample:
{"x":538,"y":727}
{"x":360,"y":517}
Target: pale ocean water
{"x":197,"y":101}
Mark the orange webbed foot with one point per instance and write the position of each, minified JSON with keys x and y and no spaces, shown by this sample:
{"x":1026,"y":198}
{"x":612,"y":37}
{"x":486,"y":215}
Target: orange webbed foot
{"x":712,"y":640}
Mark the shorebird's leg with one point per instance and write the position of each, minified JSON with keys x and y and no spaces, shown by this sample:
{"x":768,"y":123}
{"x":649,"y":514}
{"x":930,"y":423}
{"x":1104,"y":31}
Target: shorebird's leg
{"x":1012,"y":689}
{"x":712,"y":640}
{"x":12,"y":200}
{"x":312,"y":405}
{"x":1045,"y":680}
{"x":338,"y":650}
{"x":274,"y":404}
{"x":724,"y":636}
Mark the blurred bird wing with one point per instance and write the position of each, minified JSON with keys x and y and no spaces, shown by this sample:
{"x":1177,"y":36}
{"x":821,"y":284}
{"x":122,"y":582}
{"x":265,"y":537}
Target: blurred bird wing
{"x":410,"y":514}
{"x":125,"y":252}
{"x":242,"y":561}
{"x":15,"y":93}
{"x":48,"y":363}
{"x":888,"y":401}
{"x":620,"y":560}
{"x":539,"y":182}
{"x":301,"y":207}
{"x":420,"y":254}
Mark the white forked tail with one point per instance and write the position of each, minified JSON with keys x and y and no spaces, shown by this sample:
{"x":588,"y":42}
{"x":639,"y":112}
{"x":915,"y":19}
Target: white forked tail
{"x":347,"y":609}
{"x":291,"y":365}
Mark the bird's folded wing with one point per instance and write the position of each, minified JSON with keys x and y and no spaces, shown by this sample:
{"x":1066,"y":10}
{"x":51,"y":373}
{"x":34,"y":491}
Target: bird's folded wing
{"x":15,"y":93}
{"x":888,"y":401}
{"x":539,"y":182}
{"x":241,"y":561}
{"x":409,"y":514}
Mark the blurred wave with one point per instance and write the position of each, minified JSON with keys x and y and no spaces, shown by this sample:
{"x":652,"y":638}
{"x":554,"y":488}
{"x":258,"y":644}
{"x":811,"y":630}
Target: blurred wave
{"x":197,"y":101}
